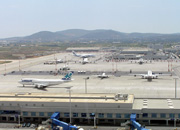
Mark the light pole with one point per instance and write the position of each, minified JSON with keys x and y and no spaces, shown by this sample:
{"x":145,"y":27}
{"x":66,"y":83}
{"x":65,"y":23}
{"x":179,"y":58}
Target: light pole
{"x":69,"y":90}
{"x":19,"y":119}
{"x":86,"y":83}
{"x":176,"y":86}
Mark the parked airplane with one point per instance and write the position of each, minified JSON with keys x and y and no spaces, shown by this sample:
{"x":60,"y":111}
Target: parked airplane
{"x":83,"y":55}
{"x":43,"y":83}
{"x":150,"y":75}
{"x":103,"y":75}
{"x":85,"y":61}
{"x":54,"y":62}
{"x":65,"y":67}
{"x":141,"y":61}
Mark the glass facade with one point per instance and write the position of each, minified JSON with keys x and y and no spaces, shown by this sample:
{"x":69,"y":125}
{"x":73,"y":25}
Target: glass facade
{"x":83,"y":114}
{"x":109,"y":115}
{"x":163,"y":115}
{"x":25,"y":113}
{"x":118,"y":115}
{"x":50,"y":114}
{"x":91,"y":114}
{"x":66,"y":114}
{"x":75,"y":114}
{"x":101,"y":115}
{"x":178,"y":115}
{"x":154,"y":115}
{"x":126,"y":115}
{"x":171,"y":115}
{"x":145,"y":115}
{"x":41,"y":113}
{"x":33,"y":113}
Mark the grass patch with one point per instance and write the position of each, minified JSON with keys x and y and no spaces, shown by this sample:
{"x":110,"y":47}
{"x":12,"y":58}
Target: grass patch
{"x":3,"y":62}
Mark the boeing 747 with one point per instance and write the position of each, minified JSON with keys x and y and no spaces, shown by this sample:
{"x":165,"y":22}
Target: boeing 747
{"x":43,"y":83}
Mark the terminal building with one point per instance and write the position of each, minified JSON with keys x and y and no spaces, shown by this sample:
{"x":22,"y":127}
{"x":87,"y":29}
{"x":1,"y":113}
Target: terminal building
{"x":111,"y":109}
{"x":83,"y":49}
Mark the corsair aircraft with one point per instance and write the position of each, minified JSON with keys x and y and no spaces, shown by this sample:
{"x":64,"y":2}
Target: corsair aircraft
{"x":43,"y":83}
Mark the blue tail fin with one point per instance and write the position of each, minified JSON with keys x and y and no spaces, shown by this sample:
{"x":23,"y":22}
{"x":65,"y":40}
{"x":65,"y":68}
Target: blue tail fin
{"x":68,"y":76}
{"x":74,"y":53}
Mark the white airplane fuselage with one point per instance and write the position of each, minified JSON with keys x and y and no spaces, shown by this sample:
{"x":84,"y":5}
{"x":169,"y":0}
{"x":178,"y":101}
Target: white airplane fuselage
{"x":150,"y":75}
{"x":103,"y":76}
{"x":83,"y":55}
{"x":48,"y":82}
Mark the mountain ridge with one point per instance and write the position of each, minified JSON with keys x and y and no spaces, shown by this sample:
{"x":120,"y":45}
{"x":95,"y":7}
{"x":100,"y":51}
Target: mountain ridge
{"x":99,"y":35}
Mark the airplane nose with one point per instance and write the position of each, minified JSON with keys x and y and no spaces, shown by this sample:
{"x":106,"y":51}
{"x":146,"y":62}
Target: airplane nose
{"x":20,"y":81}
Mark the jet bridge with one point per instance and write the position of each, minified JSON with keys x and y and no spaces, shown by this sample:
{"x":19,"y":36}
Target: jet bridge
{"x":135,"y":125}
{"x":64,"y":125}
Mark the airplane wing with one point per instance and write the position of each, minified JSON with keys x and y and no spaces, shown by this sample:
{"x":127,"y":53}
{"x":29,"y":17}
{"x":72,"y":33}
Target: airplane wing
{"x":138,"y":74}
{"x":160,"y":74}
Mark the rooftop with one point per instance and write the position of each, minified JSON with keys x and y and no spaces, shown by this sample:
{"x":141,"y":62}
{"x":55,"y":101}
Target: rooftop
{"x":88,"y":98}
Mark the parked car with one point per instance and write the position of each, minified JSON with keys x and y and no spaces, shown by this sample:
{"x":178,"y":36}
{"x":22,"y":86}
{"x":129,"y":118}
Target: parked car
{"x":28,"y":124}
{"x":24,"y":125}
{"x":32,"y":126}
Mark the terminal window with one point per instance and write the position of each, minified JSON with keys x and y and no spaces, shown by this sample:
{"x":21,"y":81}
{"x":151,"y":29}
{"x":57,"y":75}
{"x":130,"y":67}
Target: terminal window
{"x":126,"y":115}
{"x":92,"y":114}
{"x":101,"y":115}
{"x":50,"y":114}
{"x":163,"y":115}
{"x":154,"y":115}
{"x":33,"y":113}
{"x":178,"y":115}
{"x":41,"y":113}
{"x":25,"y":113}
{"x":109,"y":115}
{"x":66,"y":114}
{"x":75,"y":114}
{"x":145,"y":115}
{"x":171,"y":115}
{"x":83,"y":114}
{"x":118,"y":115}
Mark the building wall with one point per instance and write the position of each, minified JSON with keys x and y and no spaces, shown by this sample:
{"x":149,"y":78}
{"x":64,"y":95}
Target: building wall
{"x":112,"y":113}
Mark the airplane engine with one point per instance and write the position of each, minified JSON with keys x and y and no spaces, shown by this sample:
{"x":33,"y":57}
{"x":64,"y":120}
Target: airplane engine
{"x":39,"y":86}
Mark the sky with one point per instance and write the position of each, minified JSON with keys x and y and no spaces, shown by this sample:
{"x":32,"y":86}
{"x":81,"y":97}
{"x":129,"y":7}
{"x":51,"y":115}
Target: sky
{"x":25,"y":17}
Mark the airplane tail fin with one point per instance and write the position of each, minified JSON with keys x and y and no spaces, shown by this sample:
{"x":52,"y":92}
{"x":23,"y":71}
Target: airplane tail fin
{"x":74,"y":53}
{"x":68,"y":76}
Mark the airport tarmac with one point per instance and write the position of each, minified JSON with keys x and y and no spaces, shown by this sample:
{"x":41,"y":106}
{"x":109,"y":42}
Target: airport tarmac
{"x":158,"y":88}
{"x":37,"y":64}
{"x":164,"y":87}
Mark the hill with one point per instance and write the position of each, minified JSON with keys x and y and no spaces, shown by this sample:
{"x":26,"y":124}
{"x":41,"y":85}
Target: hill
{"x":79,"y":35}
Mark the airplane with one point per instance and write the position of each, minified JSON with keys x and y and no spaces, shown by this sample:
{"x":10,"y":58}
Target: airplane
{"x":85,"y":61}
{"x":103,"y":75}
{"x":43,"y":83}
{"x":54,"y":62}
{"x":65,"y":67}
{"x":150,"y":75}
{"x":140,"y":61}
{"x":83,"y":55}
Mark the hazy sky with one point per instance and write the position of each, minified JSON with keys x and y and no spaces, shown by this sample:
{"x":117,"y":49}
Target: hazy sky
{"x":25,"y":17}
